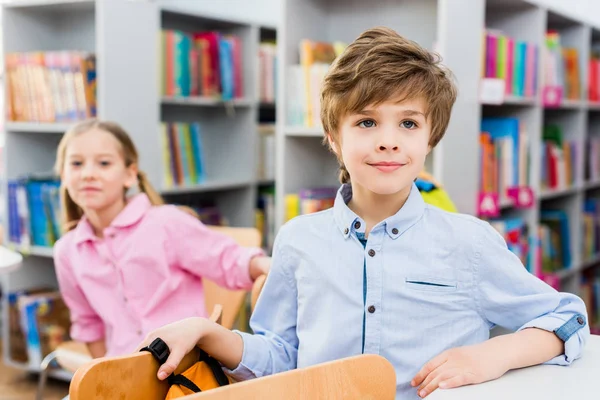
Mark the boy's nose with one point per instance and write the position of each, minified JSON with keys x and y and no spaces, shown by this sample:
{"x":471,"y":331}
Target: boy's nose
{"x":383,"y":147}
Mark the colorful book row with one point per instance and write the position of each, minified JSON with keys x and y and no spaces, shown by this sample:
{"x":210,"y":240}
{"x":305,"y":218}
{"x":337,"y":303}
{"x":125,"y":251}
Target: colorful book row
{"x":201,"y":64}
{"x":33,"y":212}
{"x":504,"y":156}
{"x":514,"y":61}
{"x":183,"y":154}
{"x":305,"y":80}
{"x":54,"y":86}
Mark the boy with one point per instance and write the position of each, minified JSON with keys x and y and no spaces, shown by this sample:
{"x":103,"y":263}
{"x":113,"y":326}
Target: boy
{"x":382,"y":272}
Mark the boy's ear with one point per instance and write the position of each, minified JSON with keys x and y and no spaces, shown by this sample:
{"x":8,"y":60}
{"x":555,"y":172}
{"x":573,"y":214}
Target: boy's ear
{"x":332,"y":144}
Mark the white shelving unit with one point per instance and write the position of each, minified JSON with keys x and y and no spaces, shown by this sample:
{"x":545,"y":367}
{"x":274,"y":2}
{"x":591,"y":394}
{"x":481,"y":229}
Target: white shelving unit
{"x":229,"y":128}
{"x":455,"y":29}
{"x":128,"y":92}
{"x":577,"y":118}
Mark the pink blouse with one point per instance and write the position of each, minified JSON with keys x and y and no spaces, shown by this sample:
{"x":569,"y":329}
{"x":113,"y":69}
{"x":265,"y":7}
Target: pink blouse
{"x":146,"y":272}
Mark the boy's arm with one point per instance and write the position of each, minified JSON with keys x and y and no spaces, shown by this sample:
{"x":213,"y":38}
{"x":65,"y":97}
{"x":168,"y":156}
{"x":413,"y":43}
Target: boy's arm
{"x":551,"y":327}
{"x":511,"y":297}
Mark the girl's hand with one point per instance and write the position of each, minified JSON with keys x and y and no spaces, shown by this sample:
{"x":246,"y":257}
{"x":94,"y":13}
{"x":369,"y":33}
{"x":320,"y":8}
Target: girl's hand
{"x":460,"y":366}
{"x":181,"y":337}
{"x":259,"y":265}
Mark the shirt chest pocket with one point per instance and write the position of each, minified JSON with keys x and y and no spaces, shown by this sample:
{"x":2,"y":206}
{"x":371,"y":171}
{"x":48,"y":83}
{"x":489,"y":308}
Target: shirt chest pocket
{"x":430,"y":283}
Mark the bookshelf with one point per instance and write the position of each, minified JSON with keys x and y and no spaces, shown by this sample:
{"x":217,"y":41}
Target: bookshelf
{"x":98,"y":27}
{"x":129,"y":92}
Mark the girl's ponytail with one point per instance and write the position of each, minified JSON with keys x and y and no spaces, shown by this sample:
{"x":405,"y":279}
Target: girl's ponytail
{"x":146,"y":187}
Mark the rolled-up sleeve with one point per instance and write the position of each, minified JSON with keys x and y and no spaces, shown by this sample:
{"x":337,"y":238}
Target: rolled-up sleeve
{"x":274,"y":346}
{"x":511,"y":297}
{"x":86,"y":325}
{"x":208,"y":253}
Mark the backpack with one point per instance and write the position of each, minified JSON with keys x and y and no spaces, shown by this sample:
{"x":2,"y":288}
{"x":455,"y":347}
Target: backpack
{"x":204,"y":375}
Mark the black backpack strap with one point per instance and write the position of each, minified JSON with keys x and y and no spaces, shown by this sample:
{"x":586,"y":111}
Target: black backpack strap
{"x":183,"y":381}
{"x":215,"y":367}
{"x":159,"y":350}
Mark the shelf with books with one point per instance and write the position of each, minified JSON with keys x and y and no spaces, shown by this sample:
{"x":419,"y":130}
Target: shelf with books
{"x":209,"y":111}
{"x":512,"y":50}
{"x":565,"y":58}
{"x":53,"y":38}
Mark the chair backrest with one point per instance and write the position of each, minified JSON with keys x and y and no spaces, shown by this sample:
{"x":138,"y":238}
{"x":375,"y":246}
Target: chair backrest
{"x":230,"y":300}
{"x":131,"y":377}
{"x":363,"y":377}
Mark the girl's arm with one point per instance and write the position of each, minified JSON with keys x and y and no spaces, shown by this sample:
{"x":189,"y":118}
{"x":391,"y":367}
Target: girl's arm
{"x":97,"y":349}
{"x":210,"y":254}
{"x":86,"y":325}
{"x":274,"y":346}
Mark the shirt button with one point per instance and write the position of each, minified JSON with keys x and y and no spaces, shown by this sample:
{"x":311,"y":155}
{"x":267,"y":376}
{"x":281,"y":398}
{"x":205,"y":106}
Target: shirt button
{"x":357,"y":225}
{"x":395,"y":231}
{"x":372,"y":253}
{"x":346,"y":231}
{"x":580,"y":320}
{"x":371,"y":309}
{"x":139,"y":332}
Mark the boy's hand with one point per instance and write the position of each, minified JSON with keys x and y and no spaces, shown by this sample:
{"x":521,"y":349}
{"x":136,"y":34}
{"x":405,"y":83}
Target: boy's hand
{"x":460,"y":366}
{"x":259,"y":265}
{"x":181,"y":337}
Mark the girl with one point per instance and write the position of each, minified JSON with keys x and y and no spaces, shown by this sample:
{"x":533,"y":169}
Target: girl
{"x":127,"y":265}
{"x":382,"y":272}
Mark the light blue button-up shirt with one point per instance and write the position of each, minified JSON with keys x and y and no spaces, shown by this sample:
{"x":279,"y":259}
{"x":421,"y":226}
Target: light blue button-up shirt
{"x":434,"y":280}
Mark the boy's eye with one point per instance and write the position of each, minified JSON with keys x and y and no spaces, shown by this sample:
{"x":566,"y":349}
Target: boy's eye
{"x":367,"y":123}
{"x":76,"y":163}
{"x":409,"y":124}
{"x":105,"y":163}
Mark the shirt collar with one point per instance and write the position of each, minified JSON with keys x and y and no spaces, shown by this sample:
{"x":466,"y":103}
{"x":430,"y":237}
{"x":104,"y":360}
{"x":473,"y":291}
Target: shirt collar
{"x":134,"y":210}
{"x":407,"y":216}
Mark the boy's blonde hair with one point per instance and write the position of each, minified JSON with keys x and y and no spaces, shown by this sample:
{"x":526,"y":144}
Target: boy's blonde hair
{"x":381,"y":65}
{"x":71,"y":212}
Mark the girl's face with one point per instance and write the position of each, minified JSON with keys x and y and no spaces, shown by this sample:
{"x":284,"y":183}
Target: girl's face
{"x":94,"y":172}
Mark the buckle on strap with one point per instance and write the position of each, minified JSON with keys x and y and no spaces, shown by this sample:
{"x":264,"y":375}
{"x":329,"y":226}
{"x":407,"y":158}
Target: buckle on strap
{"x":159,"y":349}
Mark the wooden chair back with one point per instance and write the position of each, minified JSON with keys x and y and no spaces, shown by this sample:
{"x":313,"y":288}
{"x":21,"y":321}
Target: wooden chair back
{"x":131,"y":377}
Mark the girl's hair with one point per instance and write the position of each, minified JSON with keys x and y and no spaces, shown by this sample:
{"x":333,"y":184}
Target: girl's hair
{"x":71,"y":212}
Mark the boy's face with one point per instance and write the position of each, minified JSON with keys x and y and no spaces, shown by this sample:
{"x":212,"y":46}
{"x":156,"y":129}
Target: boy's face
{"x":384,"y":147}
